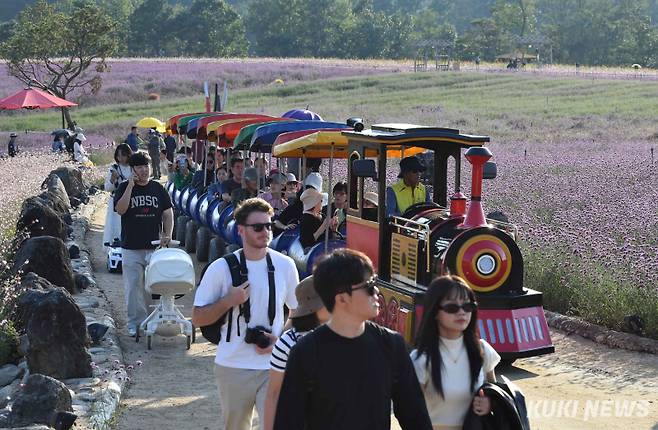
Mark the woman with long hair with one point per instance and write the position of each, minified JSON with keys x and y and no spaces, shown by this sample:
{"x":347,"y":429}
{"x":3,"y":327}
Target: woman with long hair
{"x":117,"y":173}
{"x":450,"y":359}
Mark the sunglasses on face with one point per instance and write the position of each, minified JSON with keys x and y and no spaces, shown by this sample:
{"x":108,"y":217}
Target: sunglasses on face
{"x":368,"y":285}
{"x":259,"y":226}
{"x":453,"y":308}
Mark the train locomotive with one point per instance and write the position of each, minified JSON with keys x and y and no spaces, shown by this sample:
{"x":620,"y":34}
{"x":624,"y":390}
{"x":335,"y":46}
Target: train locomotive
{"x":429,"y":239}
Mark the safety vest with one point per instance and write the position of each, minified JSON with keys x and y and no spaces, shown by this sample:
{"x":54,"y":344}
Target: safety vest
{"x":406,"y":196}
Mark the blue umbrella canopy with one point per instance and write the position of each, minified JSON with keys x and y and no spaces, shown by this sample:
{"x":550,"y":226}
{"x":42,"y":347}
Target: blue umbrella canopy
{"x":264,"y":136}
{"x":302,"y":114}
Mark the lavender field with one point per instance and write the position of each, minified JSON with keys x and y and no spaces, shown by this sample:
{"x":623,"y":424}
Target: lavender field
{"x":576,"y":172}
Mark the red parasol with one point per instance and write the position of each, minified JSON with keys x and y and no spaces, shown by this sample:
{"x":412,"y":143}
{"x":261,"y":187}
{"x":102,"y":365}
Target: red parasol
{"x":32,"y":98}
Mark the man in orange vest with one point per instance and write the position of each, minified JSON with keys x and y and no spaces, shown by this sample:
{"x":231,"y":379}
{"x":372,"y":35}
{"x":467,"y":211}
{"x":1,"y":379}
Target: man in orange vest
{"x":408,"y":190}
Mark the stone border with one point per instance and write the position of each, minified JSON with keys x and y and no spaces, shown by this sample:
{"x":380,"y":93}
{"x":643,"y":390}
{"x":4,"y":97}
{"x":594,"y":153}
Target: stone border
{"x":600,"y":334}
{"x":96,"y":399}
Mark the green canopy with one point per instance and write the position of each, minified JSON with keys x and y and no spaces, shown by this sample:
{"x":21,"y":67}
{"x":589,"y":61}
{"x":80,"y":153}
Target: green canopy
{"x":243,"y":139}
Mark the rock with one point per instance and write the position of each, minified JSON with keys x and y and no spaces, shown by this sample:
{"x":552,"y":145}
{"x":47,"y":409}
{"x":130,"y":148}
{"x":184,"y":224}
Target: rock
{"x":39,"y":219}
{"x":8,"y":373}
{"x":82,"y":281}
{"x":57,"y":192}
{"x":57,"y":331}
{"x":74,"y":252}
{"x":72,"y":180}
{"x":7,"y":392}
{"x":23,"y":345}
{"x":39,"y":400}
{"x":31,"y":280}
{"x":47,"y":257}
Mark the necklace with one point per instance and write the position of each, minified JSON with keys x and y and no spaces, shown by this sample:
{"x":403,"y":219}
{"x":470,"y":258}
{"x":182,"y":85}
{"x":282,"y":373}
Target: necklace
{"x":452,"y":358}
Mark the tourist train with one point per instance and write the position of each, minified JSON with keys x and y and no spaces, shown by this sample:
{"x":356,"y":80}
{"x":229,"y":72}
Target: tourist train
{"x":446,"y":235}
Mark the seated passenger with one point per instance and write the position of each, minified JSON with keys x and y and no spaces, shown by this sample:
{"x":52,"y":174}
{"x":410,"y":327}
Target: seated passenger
{"x":182,"y":173}
{"x":201,"y":182}
{"x":235,"y":181}
{"x":370,"y":206}
{"x":291,"y":215}
{"x":408,"y":190}
{"x":312,"y":226}
{"x":275,"y":196}
{"x":215,"y":189}
{"x":339,"y":203}
{"x":250,"y":187}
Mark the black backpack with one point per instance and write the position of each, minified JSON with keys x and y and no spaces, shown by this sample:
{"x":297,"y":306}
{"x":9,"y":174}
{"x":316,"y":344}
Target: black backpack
{"x":238,"y":269}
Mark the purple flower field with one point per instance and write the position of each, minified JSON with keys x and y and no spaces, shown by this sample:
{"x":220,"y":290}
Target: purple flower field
{"x":132,"y":80}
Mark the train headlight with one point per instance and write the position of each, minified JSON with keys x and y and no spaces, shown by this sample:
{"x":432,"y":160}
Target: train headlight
{"x":486,"y":264}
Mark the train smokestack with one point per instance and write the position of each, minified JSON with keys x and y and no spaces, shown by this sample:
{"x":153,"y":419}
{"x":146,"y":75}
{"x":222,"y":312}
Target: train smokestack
{"x":477,"y":156}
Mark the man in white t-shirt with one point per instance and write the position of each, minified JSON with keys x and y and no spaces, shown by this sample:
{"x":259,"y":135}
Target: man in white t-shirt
{"x":241,"y":368}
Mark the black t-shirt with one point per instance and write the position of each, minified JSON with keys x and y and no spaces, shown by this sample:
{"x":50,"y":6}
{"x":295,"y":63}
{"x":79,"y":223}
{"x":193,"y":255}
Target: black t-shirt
{"x":229,"y":185}
{"x":292,"y":213}
{"x":336,"y":383}
{"x":308,"y":225}
{"x":143,"y":220}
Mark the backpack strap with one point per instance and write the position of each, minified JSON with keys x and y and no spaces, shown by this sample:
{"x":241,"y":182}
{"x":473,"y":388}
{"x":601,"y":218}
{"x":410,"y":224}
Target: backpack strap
{"x":245,"y":308}
{"x":236,"y":279}
{"x":271,"y":304}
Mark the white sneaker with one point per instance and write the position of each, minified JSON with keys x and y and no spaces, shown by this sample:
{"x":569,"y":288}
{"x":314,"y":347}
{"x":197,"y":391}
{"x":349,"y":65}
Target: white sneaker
{"x":132,"y":331}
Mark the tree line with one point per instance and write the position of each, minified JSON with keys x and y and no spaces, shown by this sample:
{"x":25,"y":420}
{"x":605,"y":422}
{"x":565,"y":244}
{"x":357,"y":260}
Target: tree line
{"x":592,"y":32}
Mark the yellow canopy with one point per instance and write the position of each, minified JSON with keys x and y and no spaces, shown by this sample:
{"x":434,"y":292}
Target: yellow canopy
{"x":318,"y":145}
{"x":150,"y":122}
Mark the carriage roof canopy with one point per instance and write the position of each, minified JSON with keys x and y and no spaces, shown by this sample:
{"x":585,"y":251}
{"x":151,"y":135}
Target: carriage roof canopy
{"x":416,"y":135}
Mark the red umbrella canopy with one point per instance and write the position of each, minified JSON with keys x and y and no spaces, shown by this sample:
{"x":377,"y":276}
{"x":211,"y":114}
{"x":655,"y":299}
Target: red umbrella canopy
{"x":32,"y":98}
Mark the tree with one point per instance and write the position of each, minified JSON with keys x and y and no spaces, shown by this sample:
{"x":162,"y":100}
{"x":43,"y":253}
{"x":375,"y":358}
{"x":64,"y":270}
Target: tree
{"x":151,"y":29}
{"x":60,"y":53}
{"x":211,"y":28}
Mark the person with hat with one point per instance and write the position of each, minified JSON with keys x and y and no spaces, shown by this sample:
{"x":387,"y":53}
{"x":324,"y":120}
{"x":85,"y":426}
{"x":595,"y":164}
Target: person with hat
{"x":310,"y":314}
{"x":311,"y":226}
{"x":370,"y":205}
{"x":12,"y":146}
{"x":292,"y":186}
{"x":275,"y":196}
{"x":291,"y":216}
{"x":408,"y":190}
{"x":250,"y":188}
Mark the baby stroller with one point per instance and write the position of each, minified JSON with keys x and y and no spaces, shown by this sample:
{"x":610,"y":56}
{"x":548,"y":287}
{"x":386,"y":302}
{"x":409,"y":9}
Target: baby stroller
{"x":169,"y":275}
{"x":114,"y":256}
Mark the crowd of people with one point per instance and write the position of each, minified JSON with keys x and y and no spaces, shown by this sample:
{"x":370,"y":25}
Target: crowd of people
{"x":304,"y":355}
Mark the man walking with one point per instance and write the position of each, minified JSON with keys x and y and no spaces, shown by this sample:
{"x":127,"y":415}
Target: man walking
{"x":155,"y":144}
{"x":133,"y":140}
{"x":343,"y":375}
{"x":254,"y":314}
{"x":146,"y":215}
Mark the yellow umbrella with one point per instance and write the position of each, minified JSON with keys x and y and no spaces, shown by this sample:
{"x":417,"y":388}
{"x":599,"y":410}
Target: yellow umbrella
{"x":150,"y":122}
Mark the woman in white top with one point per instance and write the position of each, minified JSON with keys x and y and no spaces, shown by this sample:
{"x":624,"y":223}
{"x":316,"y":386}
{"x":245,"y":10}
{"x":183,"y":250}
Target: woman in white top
{"x":79,"y":153}
{"x":451,"y":360}
{"x":116,"y":174}
{"x":310,"y":313}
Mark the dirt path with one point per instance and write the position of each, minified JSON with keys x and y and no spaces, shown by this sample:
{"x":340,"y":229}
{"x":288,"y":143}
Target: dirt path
{"x":582,"y":386}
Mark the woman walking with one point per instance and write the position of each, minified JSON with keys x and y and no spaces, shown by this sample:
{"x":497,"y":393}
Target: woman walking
{"x":117,"y":173}
{"x":451,"y":360}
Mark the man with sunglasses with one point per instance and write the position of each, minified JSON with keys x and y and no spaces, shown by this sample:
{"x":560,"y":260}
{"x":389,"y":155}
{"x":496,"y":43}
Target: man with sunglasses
{"x":408,"y":190}
{"x":242,"y":366}
{"x":345,"y":374}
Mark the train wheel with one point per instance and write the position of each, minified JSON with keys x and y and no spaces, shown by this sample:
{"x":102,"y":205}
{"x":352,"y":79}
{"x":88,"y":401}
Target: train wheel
{"x":217,"y":249}
{"x":202,"y":243}
{"x":189,"y":342}
{"x":190,"y":236}
{"x":180,"y":229}
{"x":148,"y":341}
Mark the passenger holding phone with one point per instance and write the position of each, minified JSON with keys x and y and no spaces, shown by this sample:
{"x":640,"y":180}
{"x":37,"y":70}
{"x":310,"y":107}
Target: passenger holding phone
{"x":254,"y":310}
{"x":146,"y":215}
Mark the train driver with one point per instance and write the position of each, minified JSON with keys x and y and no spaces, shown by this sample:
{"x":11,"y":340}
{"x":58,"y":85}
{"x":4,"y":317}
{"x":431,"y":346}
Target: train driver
{"x":407,"y":190}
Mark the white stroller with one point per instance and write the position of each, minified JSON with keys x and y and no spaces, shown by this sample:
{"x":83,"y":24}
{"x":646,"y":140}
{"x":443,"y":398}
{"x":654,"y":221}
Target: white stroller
{"x":170,"y":274}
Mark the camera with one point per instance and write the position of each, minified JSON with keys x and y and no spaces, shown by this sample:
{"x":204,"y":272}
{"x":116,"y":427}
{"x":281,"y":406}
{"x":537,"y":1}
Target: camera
{"x":257,"y":336}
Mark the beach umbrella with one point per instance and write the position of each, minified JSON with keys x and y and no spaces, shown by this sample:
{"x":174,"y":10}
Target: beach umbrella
{"x":32,"y":98}
{"x":302,"y":114}
{"x":150,"y":122}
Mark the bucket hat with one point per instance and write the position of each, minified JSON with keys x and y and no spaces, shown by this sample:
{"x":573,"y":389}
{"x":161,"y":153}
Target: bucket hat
{"x":314,"y":180}
{"x":308,"y":300}
{"x":311,"y":197}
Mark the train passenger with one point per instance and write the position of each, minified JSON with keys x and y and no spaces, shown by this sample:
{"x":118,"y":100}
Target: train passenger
{"x":339,"y":203}
{"x":203,"y":178}
{"x":189,"y":153}
{"x":215,"y":189}
{"x":370,"y":205}
{"x":346,"y":373}
{"x":250,"y":188}
{"x":291,"y":215}
{"x":220,"y":157}
{"x":310,"y":313}
{"x":312,"y":226}
{"x":292,"y":186}
{"x":451,"y":360}
{"x":235,"y":181}
{"x":275,"y":196}
{"x":182,"y":173}
{"x":408,"y":190}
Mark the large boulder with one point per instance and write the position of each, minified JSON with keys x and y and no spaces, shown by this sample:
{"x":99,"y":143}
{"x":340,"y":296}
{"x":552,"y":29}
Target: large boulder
{"x":57,"y":334}
{"x":56,"y":191}
{"x":39,"y":219}
{"x":39,"y":401}
{"x":72,"y":180}
{"x":31,"y":280}
{"x":48,"y":257}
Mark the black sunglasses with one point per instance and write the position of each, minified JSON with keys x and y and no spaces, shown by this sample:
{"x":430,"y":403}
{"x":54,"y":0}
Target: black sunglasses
{"x":453,"y":308}
{"x":259,"y":226}
{"x":368,"y":285}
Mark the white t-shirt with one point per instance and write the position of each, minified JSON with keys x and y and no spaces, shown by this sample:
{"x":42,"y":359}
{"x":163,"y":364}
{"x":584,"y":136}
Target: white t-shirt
{"x":216,"y":283}
{"x":282,"y":348}
{"x":455,"y":380}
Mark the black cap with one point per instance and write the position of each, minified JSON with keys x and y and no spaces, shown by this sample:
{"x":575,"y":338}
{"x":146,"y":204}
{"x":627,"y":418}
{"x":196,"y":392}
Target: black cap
{"x":410,"y":164}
